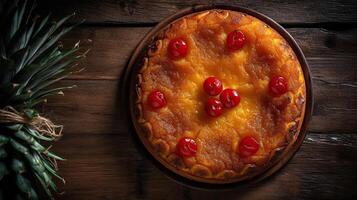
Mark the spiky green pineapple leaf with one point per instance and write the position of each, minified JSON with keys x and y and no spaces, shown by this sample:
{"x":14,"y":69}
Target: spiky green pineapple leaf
{"x":37,"y":135}
{"x":3,"y":140}
{"x":24,"y":50}
{"x":31,"y":61}
{"x":3,"y":153}
{"x":18,"y":166}
{"x":3,"y":170}
{"x":25,"y":186}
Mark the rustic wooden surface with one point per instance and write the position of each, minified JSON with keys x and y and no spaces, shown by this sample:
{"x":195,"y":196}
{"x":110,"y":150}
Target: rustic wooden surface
{"x":103,"y":162}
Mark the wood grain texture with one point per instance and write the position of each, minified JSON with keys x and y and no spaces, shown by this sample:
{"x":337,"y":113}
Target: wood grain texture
{"x":97,"y":104}
{"x":104,"y":163}
{"x":109,"y":167}
{"x":141,"y":11}
{"x":332,"y":54}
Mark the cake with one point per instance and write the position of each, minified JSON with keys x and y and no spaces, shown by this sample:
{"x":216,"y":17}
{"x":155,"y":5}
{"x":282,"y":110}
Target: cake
{"x":220,"y":96}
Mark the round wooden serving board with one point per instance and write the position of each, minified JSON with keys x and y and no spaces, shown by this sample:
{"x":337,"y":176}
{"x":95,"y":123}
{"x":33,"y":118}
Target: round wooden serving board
{"x":129,"y":88}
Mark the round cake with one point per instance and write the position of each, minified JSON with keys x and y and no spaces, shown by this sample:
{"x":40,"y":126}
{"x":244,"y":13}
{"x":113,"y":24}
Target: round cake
{"x":220,"y":96}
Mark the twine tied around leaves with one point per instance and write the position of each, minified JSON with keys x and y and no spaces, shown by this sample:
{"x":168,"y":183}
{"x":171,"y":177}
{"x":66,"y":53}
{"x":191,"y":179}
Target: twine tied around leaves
{"x":41,"y":124}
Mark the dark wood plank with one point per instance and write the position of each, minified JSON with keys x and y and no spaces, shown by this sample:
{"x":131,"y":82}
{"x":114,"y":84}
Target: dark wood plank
{"x":331,"y":54}
{"x":94,"y":103}
{"x":103,"y":162}
{"x":110,"y":48}
{"x":97,"y":104}
{"x":109,"y":167}
{"x":136,"y":12}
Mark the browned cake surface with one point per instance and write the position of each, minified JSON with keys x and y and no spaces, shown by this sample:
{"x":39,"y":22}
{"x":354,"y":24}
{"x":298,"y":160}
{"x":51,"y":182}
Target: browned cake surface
{"x":274,"y":121}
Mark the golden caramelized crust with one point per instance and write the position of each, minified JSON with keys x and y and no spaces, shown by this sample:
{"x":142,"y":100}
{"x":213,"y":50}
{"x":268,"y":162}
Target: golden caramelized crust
{"x":274,"y":121}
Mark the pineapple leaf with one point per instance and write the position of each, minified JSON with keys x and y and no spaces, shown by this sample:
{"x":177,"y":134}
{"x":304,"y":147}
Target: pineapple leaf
{"x":44,"y":186}
{"x":19,"y":57}
{"x":13,"y":25}
{"x":38,"y":42}
{"x":39,"y":169}
{"x":45,"y":74}
{"x":54,"y":156}
{"x":3,"y":140}
{"x":6,"y":70}
{"x":46,"y":93}
{"x":52,"y":171}
{"x":3,"y":170}
{"x":25,"y":186}
{"x":23,"y":136}
{"x":17,"y":42}
{"x":20,"y":97}
{"x":41,"y":26}
{"x":50,"y":55}
{"x":15,"y":127}
{"x":5,"y":14}
{"x":52,"y":41}
{"x":19,"y":35}
{"x":30,"y":140}
{"x":31,"y":60}
{"x":35,"y":166}
{"x":19,"y":147}
{"x":8,"y":89}
{"x":48,"y":181}
{"x":35,"y":134}
{"x":2,"y":48}
{"x":20,"y":14}
{"x":25,"y":74}
{"x":30,"y":113}
{"x":29,"y":32}
{"x":35,"y":162}
{"x":3,"y":153}
{"x":18,"y":166}
{"x":48,"y":162}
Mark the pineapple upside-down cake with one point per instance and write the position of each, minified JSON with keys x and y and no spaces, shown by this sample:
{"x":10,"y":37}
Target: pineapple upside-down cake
{"x":219,"y":94}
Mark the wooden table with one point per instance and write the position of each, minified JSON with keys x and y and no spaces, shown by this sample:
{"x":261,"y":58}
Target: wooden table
{"x":103,"y":162}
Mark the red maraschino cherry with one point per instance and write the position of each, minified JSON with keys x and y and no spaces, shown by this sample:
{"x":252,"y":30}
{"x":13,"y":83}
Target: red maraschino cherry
{"x":156,"y":99}
{"x":278,"y":86}
{"x":212,"y":86}
{"x":177,"y":48}
{"x":186,"y":147}
{"x":230,"y":98}
{"x":235,"y":40}
{"x":248,"y":146}
{"x":214,"y":107}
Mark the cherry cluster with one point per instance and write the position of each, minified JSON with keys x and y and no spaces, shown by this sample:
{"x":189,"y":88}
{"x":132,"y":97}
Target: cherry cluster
{"x":228,"y":98}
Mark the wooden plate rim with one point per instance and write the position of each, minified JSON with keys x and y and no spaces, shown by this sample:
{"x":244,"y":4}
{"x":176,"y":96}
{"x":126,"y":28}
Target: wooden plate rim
{"x":129,"y":86}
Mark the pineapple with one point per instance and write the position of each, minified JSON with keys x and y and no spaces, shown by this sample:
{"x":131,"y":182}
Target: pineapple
{"x":31,"y":60}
